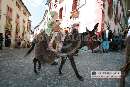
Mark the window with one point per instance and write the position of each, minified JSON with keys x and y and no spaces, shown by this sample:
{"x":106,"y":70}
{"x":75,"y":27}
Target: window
{"x":17,"y":19}
{"x":23,"y":30}
{"x":0,"y":4}
{"x":24,"y":13}
{"x":17,"y":24}
{"x":23,"y":21}
{"x":17,"y":4}
{"x":49,"y":5}
{"x":28,"y":26}
{"x":9,"y":12}
{"x":17,"y":16}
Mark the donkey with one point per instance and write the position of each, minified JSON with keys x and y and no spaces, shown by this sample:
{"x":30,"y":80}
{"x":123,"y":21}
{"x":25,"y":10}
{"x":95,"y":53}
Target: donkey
{"x":45,"y":55}
{"x":126,"y":68}
{"x":92,"y":40}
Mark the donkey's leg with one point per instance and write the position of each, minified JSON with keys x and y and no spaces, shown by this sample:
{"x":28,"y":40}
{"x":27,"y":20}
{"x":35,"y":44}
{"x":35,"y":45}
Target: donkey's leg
{"x":122,"y":80}
{"x":126,"y":58}
{"x":124,"y":72}
{"x":63,"y":60}
{"x":71,"y":58}
{"x":126,"y":69}
{"x":76,"y":52}
{"x":35,"y":63}
{"x":39,"y":65}
{"x":92,"y":50}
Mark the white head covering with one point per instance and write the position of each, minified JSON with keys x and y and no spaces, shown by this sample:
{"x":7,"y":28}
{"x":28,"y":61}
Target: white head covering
{"x":128,"y":34}
{"x":129,"y":21}
{"x":107,"y":32}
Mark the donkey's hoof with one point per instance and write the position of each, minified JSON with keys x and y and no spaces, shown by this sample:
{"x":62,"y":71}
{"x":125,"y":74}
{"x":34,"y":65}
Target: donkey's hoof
{"x":54,"y":63}
{"x":39,"y":70}
{"x":36,"y":72}
{"x":80,"y":78}
{"x":122,"y":69}
{"x":60,"y":73}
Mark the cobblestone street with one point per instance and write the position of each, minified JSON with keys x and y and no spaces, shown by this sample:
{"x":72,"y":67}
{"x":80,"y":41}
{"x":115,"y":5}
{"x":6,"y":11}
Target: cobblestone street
{"x":16,"y":71}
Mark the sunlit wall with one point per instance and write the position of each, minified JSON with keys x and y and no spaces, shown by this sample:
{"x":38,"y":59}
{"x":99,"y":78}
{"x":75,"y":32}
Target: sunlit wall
{"x":90,"y":14}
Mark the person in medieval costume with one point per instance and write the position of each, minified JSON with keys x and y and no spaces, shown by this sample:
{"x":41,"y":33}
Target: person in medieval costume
{"x":127,"y":43}
{"x":105,"y":42}
{"x":55,"y":33}
{"x":57,"y":39}
{"x":57,"y":36}
{"x":128,"y":20}
{"x":125,"y":31}
{"x":128,"y":34}
{"x":52,"y":19}
{"x":18,"y":42}
{"x":1,"y":41}
{"x":9,"y":40}
{"x":74,"y":32}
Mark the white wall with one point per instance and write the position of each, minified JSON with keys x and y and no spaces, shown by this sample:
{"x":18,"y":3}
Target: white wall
{"x":88,"y":15}
{"x":67,"y":8}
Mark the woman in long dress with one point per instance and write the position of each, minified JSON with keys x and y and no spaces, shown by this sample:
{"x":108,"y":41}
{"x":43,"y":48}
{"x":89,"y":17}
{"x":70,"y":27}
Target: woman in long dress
{"x":105,"y":43}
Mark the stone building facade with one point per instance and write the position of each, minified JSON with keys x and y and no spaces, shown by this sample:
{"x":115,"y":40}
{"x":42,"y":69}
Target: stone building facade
{"x":14,"y":20}
{"x":87,"y":13}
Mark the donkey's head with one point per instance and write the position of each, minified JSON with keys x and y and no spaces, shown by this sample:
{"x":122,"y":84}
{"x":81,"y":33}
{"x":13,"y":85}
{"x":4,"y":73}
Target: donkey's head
{"x":40,"y":37}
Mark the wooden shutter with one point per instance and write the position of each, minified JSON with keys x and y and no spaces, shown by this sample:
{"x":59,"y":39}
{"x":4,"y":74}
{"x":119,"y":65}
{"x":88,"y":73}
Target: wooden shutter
{"x":74,"y":5}
{"x":60,"y":13}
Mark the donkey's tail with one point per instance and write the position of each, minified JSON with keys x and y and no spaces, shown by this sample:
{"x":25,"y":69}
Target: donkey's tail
{"x":30,"y":50}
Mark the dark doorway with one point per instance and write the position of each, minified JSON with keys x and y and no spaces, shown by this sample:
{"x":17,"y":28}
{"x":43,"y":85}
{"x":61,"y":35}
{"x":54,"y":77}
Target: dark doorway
{"x":7,"y":38}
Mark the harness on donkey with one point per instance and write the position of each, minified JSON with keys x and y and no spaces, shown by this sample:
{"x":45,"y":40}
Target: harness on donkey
{"x":45,"y":55}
